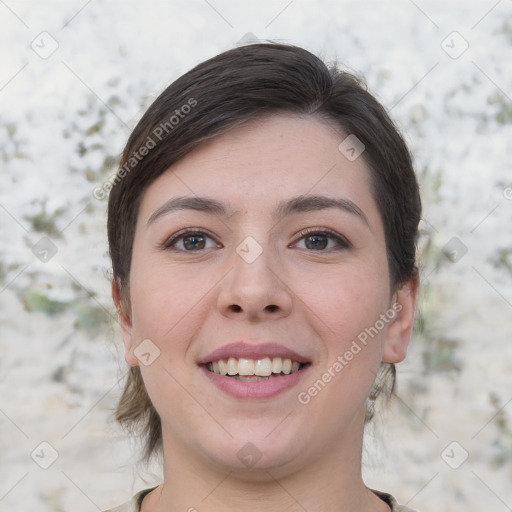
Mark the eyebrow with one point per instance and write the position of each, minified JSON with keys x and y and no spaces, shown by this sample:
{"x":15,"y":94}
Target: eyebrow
{"x":299,"y":204}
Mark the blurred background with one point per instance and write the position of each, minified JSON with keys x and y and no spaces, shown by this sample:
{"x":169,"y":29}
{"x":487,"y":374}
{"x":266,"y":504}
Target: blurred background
{"x":76,"y":76}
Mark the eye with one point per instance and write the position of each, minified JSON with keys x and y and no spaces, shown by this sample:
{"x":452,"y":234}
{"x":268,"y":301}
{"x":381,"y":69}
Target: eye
{"x":190,"y":241}
{"x":320,"y":240}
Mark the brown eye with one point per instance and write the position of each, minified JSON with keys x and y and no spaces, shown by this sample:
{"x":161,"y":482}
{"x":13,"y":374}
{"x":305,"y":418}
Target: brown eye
{"x":316,"y":241}
{"x":321,"y":240}
{"x":193,"y":242}
{"x":190,"y":241}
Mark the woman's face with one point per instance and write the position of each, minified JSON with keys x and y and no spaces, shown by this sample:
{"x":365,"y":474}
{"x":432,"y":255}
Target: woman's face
{"x":261,"y":252}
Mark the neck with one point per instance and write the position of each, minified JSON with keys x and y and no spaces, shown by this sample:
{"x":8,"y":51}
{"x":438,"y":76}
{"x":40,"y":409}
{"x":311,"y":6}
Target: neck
{"x":331,"y":482}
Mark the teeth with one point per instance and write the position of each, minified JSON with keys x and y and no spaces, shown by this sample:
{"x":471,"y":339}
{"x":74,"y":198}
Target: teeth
{"x":232,"y":366}
{"x":277,"y":365}
{"x":263,"y":367}
{"x":250,"y":378}
{"x":254,"y":369}
{"x":245,"y":367}
{"x":223,"y":367}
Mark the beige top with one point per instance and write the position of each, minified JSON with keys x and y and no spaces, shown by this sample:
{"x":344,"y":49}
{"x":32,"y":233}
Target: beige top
{"x":134,"y":504}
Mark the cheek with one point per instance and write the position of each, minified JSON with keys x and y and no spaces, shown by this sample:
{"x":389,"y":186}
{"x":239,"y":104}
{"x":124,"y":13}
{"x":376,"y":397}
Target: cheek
{"x":163,"y":301}
{"x":345,"y":299}
{"x":342,"y":308}
{"x":168,"y":307}
{"x":160,"y":288}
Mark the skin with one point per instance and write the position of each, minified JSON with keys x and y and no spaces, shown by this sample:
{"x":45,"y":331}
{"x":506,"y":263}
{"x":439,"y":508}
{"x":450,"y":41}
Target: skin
{"x":190,"y":302}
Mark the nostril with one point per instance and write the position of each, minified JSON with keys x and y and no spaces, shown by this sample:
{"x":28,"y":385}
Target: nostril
{"x":271,"y":307}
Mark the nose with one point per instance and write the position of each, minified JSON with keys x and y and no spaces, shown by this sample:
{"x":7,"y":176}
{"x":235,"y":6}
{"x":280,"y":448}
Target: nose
{"x":256,"y":290}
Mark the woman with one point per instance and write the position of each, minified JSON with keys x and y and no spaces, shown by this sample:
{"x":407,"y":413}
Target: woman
{"x":262,"y":229}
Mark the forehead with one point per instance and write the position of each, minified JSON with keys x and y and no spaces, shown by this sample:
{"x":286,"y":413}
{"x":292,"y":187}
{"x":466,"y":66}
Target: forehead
{"x":263,"y":162}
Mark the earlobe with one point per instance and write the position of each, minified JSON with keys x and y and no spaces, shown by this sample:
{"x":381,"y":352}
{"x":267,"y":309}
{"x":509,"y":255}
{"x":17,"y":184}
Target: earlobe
{"x":122,"y":307}
{"x":400,"y":327}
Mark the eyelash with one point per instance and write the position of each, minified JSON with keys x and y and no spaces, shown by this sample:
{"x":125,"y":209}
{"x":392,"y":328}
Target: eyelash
{"x":341,"y":241}
{"x":168,"y":244}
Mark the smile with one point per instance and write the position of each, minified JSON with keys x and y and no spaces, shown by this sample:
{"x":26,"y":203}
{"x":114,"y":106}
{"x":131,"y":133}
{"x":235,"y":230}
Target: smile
{"x":254,"y":369}
{"x":249,"y":370}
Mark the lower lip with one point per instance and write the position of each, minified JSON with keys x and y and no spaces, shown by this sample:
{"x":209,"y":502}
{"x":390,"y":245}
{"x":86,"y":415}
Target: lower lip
{"x":255,"y":389}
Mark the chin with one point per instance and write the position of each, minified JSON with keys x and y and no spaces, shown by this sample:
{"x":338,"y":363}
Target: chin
{"x":253,"y":453}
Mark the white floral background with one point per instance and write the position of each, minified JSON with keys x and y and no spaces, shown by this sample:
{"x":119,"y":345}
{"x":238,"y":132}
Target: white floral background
{"x":74,"y":78}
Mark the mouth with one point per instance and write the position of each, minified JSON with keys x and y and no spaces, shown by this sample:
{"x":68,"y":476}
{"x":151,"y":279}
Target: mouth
{"x":254,"y":370}
{"x":258,"y":371}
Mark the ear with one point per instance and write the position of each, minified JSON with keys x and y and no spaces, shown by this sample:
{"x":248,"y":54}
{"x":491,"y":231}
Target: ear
{"x":400,"y":327}
{"x":122,"y":306}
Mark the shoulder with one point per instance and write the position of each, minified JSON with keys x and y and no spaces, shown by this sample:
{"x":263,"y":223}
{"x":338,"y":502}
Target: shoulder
{"x":390,"y":500}
{"x":133,"y":505}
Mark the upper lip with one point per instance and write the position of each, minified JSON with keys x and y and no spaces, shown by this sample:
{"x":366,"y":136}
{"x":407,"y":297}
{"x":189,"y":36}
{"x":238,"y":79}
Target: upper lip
{"x":242,"y":349}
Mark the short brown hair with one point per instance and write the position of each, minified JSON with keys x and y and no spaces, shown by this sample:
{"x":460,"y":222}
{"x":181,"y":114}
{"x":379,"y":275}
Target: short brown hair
{"x":237,"y":86}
